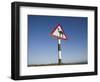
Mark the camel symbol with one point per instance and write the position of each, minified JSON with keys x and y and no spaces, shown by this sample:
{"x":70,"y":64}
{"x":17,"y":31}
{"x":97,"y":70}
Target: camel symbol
{"x":60,"y":33}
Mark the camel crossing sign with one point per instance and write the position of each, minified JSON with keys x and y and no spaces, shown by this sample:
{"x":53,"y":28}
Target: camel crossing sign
{"x":58,"y":32}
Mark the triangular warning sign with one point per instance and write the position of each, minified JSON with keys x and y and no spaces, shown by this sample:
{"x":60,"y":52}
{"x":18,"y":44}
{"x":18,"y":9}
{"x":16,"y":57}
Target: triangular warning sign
{"x":58,"y":32}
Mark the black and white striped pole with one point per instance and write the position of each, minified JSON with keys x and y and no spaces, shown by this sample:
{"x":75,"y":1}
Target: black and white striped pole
{"x":59,"y":52}
{"x":59,"y":47}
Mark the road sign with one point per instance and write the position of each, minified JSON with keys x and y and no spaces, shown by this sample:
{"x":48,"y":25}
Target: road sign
{"x":58,"y":32}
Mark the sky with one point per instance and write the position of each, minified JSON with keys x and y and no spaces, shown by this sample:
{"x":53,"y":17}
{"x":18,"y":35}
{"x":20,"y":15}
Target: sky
{"x":43,"y":48}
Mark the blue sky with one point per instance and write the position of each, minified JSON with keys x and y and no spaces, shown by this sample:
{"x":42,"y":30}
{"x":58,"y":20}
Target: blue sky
{"x":43,"y":49}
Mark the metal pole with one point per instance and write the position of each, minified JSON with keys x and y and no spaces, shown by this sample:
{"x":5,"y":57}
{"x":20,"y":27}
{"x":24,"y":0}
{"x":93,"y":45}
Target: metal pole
{"x":59,"y":52}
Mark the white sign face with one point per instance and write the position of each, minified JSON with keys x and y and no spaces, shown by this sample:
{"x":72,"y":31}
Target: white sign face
{"x":58,"y":32}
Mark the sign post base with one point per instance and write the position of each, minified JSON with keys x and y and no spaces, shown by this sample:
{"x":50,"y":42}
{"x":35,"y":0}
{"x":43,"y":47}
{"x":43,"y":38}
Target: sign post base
{"x":59,"y":61}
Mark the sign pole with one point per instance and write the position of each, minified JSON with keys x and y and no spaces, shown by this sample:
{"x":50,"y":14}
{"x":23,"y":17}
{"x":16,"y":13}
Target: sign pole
{"x":59,"y":52}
